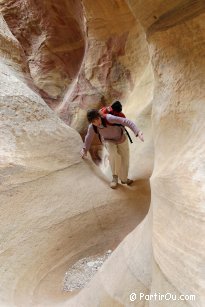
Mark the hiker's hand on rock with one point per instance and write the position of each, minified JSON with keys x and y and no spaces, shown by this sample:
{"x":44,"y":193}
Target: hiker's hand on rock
{"x":141,"y":137}
{"x":83,"y":153}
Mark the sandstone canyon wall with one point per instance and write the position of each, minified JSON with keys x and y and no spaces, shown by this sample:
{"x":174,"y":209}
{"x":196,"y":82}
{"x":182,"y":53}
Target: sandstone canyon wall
{"x":165,"y":254}
{"x":57,"y":59}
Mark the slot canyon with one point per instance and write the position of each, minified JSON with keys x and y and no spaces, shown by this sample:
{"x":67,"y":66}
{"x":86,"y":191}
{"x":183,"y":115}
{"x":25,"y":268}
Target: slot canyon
{"x":59,"y":59}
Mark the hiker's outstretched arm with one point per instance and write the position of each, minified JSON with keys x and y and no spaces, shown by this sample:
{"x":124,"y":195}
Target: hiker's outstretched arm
{"x":88,"y":138}
{"x":123,"y":121}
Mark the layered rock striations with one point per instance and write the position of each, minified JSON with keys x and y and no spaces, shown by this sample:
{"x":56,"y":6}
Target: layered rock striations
{"x":56,"y":208}
{"x":52,"y":36}
{"x":165,"y":254}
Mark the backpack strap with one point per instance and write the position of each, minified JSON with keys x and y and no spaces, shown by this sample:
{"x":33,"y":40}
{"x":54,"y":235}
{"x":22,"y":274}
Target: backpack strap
{"x":129,"y":137}
{"x":123,"y":127}
{"x":105,"y":123}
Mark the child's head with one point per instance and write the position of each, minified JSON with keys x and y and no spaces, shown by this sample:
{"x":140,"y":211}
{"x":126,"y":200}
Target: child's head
{"x":117,"y":106}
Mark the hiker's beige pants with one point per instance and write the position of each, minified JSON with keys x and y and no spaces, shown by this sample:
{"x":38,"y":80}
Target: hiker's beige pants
{"x":119,"y":168}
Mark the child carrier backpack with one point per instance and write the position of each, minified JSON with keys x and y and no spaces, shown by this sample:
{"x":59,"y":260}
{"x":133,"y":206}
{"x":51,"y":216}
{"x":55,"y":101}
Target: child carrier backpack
{"x":116,"y":110}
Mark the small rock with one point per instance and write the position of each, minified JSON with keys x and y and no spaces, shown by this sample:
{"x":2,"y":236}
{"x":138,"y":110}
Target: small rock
{"x":90,"y":264}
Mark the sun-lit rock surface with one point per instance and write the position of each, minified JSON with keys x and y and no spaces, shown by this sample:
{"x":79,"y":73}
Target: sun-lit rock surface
{"x":166,"y":252}
{"x":56,"y":208}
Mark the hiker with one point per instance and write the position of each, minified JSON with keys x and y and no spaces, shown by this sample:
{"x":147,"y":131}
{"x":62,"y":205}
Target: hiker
{"x":110,"y":129}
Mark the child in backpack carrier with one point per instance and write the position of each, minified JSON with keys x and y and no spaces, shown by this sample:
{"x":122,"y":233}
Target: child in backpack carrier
{"x":115,"y":109}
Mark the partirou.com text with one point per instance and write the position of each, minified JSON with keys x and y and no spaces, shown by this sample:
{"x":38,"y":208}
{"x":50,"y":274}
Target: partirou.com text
{"x":160,"y":297}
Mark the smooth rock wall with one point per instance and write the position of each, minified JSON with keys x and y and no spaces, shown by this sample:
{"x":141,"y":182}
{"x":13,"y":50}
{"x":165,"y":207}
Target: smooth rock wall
{"x":174,"y":262}
{"x":57,"y":208}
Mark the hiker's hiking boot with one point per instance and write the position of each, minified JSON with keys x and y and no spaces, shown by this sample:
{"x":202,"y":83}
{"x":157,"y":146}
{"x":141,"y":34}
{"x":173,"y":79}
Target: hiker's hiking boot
{"x":127,"y":182}
{"x":114,"y":182}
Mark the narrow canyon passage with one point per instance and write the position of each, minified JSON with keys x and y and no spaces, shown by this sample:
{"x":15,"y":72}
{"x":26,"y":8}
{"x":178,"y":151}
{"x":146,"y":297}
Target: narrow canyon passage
{"x":57,"y":60}
{"x":59,"y":208}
